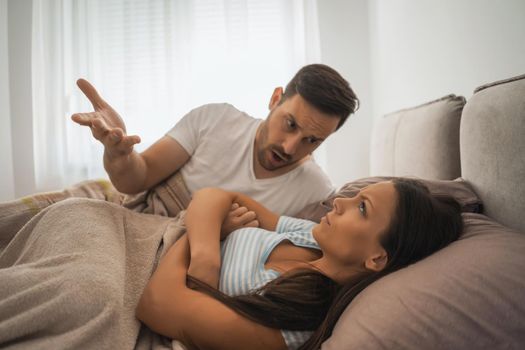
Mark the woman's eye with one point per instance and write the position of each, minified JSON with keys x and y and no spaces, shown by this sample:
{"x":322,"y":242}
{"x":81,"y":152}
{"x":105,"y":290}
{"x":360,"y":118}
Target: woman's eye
{"x":312,"y":140}
{"x":362,"y":208}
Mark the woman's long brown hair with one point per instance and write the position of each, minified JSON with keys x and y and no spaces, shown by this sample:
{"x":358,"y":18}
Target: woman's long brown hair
{"x":310,"y":301}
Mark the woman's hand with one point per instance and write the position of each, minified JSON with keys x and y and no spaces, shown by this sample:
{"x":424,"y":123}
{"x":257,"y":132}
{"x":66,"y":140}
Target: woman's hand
{"x":237,"y":218}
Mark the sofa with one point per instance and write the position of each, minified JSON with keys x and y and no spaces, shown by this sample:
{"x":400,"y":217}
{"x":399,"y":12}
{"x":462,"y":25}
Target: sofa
{"x":471,"y":294}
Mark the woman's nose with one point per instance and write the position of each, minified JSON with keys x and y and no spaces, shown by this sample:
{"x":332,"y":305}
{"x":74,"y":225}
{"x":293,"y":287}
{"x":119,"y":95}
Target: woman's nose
{"x":340,"y":204}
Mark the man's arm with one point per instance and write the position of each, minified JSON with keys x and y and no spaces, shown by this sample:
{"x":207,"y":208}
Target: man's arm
{"x":129,"y":171}
{"x":170,"y":308}
{"x":137,"y":172}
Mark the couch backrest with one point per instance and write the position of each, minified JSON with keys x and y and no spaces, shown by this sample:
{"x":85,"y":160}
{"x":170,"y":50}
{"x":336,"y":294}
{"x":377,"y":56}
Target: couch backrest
{"x":421,"y":141}
{"x":492,"y":148}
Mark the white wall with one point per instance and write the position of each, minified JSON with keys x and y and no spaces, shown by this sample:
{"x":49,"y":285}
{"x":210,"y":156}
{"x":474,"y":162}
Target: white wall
{"x":400,"y":53}
{"x":7,"y":184}
{"x":344,"y":34}
{"x":426,"y":49}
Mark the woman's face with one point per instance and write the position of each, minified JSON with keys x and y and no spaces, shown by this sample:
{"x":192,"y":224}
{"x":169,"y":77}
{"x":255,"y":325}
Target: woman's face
{"x":349,"y":235}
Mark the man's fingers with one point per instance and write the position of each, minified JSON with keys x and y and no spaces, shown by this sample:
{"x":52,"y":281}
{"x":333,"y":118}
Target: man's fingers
{"x":115,"y":135}
{"x":91,"y":93}
{"x":82,"y":119}
{"x":234,"y":206}
{"x":100,"y":125}
{"x":127,"y":142}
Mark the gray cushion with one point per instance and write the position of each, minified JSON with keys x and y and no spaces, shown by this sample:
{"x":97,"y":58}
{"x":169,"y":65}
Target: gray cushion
{"x":421,"y":141}
{"x":493,"y":149}
{"x":469,"y":295}
{"x":457,"y":188}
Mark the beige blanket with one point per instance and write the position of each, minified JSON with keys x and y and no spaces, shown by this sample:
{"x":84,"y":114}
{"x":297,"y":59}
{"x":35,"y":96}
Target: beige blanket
{"x":72,"y":269}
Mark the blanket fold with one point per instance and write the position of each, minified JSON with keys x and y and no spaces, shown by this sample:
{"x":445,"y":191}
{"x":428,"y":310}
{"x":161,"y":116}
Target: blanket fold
{"x":72,"y":269}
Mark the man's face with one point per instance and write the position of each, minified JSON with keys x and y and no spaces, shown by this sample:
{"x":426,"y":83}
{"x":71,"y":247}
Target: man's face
{"x":293,"y":130}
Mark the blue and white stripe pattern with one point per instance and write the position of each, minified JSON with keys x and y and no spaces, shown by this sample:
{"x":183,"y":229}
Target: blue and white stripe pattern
{"x":244,"y":253}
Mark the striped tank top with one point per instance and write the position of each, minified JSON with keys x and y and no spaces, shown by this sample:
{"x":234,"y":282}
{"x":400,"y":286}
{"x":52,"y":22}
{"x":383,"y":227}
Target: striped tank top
{"x":244,"y":253}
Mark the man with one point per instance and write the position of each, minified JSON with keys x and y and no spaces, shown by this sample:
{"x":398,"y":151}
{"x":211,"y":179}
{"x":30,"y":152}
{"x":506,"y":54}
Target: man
{"x":218,"y":145}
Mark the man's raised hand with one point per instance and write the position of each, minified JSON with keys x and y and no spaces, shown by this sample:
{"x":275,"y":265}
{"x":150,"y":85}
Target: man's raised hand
{"x":105,"y":123}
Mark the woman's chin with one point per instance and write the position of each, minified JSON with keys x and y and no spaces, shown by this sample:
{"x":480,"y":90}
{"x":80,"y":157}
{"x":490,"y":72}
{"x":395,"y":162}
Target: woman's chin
{"x":315,"y":231}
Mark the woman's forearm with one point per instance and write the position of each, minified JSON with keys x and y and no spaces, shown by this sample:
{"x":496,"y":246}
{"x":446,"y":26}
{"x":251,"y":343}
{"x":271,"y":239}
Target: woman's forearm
{"x":204,"y":219}
{"x":206,"y":212}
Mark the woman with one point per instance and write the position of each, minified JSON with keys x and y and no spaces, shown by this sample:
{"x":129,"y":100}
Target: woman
{"x":286,"y":283}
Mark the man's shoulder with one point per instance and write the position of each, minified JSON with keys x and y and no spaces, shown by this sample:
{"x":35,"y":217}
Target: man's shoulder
{"x":226,"y":110}
{"x":213,"y":115}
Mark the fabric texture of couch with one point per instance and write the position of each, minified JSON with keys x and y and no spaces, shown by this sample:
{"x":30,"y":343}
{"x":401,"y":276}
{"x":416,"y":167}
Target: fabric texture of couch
{"x":421,"y":141}
{"x":493,"y":149}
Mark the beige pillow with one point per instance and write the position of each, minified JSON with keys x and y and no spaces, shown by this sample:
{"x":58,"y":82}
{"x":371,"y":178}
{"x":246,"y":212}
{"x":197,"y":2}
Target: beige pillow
{"x":421,"y":141}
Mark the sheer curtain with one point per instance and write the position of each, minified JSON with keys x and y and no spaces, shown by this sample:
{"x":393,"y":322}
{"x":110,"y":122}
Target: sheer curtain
{"x":154,"y":61}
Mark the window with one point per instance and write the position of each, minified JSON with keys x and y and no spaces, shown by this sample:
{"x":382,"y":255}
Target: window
{"x":153,"y":61}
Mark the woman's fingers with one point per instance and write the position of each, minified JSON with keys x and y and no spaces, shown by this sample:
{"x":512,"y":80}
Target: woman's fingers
{"x":253,"y":223}
{"x":238,"y":211}
{"x":246,"y":218}
{"x":242,"y":216}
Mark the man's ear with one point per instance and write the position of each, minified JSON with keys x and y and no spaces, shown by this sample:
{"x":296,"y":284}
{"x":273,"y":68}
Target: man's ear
{"x":377,"y":261}
{"x":276,"y":97}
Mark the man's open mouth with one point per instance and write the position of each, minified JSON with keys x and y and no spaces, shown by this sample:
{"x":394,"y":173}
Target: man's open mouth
{"x":276,"y":156}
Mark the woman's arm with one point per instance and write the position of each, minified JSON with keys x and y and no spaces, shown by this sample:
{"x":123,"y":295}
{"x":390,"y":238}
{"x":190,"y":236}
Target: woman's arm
{"x":170,"y":308}
{"x":204,"y":218}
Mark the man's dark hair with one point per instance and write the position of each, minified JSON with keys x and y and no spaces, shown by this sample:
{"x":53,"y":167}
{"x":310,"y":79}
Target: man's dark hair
{"x":325,"y":89}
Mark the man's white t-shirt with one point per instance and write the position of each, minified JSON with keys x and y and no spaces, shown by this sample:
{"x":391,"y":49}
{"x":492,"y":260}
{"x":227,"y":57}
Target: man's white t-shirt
{"x":220,"y":139}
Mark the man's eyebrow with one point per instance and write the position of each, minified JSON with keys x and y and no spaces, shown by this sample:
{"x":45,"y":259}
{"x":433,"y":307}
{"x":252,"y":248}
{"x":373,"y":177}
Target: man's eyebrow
{"x":300,"y":127}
